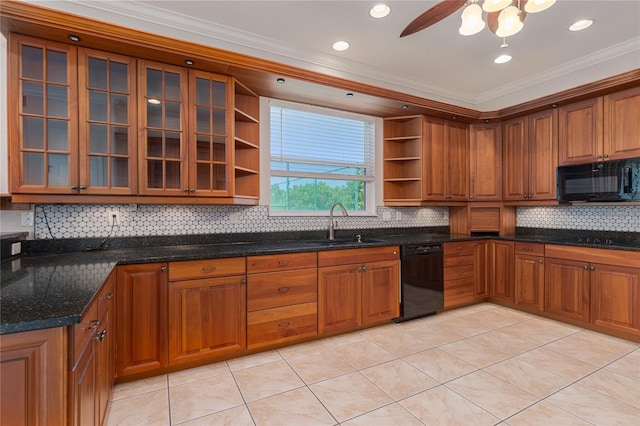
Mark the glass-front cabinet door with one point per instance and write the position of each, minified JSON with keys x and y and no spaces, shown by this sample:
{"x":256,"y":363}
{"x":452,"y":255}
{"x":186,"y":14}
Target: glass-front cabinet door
{"x":44,"y":139}
{"x":163,"y":123}
{"x":209,"y":130}
{"x":107,"y":130}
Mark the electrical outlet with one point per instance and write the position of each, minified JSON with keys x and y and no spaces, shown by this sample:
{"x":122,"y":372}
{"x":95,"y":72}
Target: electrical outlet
{"x":398,"y":215}
{"x":113,"y":218}
{"x":234,"y":217}
{"x":16,"y":248}
{"x":26,"y":219}
{"x":386,"y":216}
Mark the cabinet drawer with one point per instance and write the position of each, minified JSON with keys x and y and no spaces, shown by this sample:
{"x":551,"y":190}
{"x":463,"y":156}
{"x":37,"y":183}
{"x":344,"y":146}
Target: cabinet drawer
{"x":459,"y":272}
{"x":466,"y":247}
{"x":206,"y":268}
{"x":83,"y":332}
{"x":534,"y":249}
{"x":281,"y":262}
{"x":276,"y":289}
{"x":282,"y":324}
{"x":458,"y":292}
{"x":106,"y":293}
{"x":465,"y":259}
{"x":355,"y":256}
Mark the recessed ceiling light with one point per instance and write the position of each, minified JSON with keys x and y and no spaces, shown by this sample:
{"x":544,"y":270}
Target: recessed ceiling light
{"x":153,"y":101}
{"x":349,"y":95}
{"x":280,"y":80}
{"x":502,"y":59}
{"x":73,"y":37}
{"x":404,"y":106}
{"x":581,"y":25}
{"x":379,"y":11}
{"x":340,"y":45}
{"x":189,"y":61}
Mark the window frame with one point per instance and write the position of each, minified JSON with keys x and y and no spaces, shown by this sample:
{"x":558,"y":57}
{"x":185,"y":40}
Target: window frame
{"x":372,"y":187}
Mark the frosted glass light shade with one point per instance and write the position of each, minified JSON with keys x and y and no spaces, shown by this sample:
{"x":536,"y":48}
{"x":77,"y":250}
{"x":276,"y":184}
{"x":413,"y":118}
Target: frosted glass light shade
{"x":472,"y":22}
{"x":509,"y":22}
{"x":495,"y":5}
{"x":534,"y":6}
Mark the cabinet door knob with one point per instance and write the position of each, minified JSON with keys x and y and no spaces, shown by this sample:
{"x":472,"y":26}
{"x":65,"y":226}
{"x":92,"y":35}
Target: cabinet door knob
{"x":599,"y":156}
{"x":185,"y":190}
{"x":192,"y":190}
{"x":593,"y":268}
{"x":540,"y":261}
{"x":606,"y":156}
{"x":163,"y":269}
{"x":74,"y":187}
{"x":586,"y":267}
{"x":83,"y":186}
{"x":243,"y":281}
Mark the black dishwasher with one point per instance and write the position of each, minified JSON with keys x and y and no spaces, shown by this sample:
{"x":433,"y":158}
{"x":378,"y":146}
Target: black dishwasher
{"x":422,"y":288}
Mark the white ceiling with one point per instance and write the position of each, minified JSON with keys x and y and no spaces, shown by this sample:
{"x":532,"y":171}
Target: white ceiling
{"x":436,"y":63}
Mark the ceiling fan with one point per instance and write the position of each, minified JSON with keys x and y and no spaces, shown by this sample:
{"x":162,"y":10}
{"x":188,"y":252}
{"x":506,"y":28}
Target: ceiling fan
{"x":504,"y":17}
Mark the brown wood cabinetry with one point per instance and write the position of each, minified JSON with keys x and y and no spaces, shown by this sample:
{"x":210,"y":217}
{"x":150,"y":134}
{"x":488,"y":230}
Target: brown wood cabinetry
{"x":594,"y":285}
{"x":486,"y":162}
{"x":425,"y":159}
{"x":529,"y":275}
{"x":207,"y":309}
{"x":445,"y":161}
{"x":141,"y":318}
{"x":530,"y":153}
{"x":33,"y":369}
{"x":282,"y":294}
{"x":481,"y":254}
{"x":101,"y":124}
{"x":502,"y":284}
{"x":357,"y":287}
{"x":459,"y":273}
{"x":603,"y":128}
{"x":92,"y":357}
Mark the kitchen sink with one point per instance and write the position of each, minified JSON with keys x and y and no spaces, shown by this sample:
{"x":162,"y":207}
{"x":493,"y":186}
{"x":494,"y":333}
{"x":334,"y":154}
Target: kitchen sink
{"x":349,"y":242}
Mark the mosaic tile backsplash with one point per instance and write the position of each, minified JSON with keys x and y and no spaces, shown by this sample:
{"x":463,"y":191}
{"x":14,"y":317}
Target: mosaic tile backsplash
{"x":87,"y":221}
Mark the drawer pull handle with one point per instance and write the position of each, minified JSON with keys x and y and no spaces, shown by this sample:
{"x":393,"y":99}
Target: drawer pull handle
{"x":460,"y":292}
{"x":283,"y":325}
{"x":460,"y":273}
{"x":283,"y":263}
{"x":528,"y":249}
{"x":108,"y":296}
{"x":208,"y":268}
{"x":100,"y":337}
{"x":283,"y":290}
{"x":94,"y":326}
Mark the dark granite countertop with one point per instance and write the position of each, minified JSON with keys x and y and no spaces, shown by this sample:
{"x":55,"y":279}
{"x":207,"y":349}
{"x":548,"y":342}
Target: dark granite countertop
{"x":52,"y":290}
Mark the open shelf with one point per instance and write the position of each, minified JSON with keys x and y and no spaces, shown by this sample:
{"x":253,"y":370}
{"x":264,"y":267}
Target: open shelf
{"x":402,"y":159}
{"x":246,"y":141}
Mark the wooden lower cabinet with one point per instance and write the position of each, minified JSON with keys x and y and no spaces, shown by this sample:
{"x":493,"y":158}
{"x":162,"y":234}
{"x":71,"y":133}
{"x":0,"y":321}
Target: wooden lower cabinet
{"x":380,"y":295}
{"x":459,"y":273}
{"x":33,"y":369}
{"x":615,"y":297}
{"x":566,"y":291}
{"x":207,"y":316}
{"x":529,"y":275}
{"x":339,"y":298}
{"x":481,"y":254}
{"x":141,"y":313}
{"x":363,"y":291}
{"x":282,"y":294}
{"x":502,"y":283}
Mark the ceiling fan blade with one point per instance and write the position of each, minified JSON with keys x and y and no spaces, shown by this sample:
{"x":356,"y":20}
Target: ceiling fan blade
{"x":432,"y":16}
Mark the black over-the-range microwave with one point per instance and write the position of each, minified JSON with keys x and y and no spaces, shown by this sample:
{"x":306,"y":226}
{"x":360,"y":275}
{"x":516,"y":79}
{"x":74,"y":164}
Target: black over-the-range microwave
{"x":605,"y":181}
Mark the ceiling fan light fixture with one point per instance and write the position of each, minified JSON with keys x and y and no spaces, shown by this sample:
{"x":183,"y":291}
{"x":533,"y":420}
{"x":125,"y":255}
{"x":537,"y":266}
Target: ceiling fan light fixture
{"x":509,"y":22}
{"x":379,"y":11}
{"x":533,"y":6}
{"x":472,"y":22}
{"x":581,"y":25}
{"x":495,"y":5}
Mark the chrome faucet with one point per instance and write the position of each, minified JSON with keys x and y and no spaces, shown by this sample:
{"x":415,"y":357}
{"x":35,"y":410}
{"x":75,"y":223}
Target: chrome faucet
{"x":332,"y":225}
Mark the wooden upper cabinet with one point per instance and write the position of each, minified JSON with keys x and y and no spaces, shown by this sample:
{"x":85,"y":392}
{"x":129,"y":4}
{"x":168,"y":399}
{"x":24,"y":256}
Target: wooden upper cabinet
{"x":621,"y":124}
{"x":486,"y":162}
{"x":445,"y":161}
{"x":162,"y":95}
{"x":107,"y":127}
{"x":43,"y":118}
{"x":209,"y":134}
{"x":515,"y":169}
{"x":530,"y":150}
{"x":580,"y":127}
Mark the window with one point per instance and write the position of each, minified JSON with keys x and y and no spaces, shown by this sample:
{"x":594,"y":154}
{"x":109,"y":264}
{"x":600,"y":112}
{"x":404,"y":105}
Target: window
{"x":319,"y":156}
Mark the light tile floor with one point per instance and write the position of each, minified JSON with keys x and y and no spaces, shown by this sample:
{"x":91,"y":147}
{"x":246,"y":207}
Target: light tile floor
{"x":482,"y":364}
